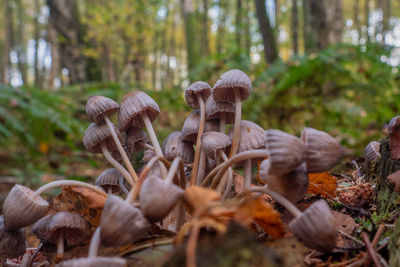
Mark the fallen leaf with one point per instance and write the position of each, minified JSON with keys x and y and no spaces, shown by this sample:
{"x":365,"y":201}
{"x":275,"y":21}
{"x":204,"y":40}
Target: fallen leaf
{"x":346,"y":224}
{"x":43,"y":147}
{"x":199,"y":198}
{"x":395,"y":178}
{"x":322,"y":183}
{"x":86,"y":202}
{"x":256,"y":210}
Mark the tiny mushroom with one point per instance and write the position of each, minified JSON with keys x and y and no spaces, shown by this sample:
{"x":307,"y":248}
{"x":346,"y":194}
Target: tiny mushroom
{"x":372,"y":151}
{"x":135,"y":140}
{"x":111,"y":181}
{"x":223,"y":111}
{"x":174,"y":146}
{"x":12,"y":242}
{"x":62,"y":227}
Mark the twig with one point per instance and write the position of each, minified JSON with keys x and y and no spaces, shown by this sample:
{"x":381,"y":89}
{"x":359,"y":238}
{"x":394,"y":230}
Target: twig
{"x":378,"y":235}
{"x":352,"y":238}
{"x":371,"y":250}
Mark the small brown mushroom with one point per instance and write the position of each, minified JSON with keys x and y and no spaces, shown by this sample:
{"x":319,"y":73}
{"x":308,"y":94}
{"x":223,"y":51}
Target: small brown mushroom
{"x":135,"y":140}
{"x":190,"y":128}
{"x":174,"y":146}
{"x":223,"y":111}
{"x":121,"y":223}
{"x":233,"y":86}
{"x":323,"y":151}
{"x":62,"y":227}
{"x":372,"y":151}
{"x":111,"y":181}
{"x":12,"y":242}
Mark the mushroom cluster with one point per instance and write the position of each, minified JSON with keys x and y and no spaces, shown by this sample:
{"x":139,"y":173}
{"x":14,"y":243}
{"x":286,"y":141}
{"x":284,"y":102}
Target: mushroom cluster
{"x":204,"y":153}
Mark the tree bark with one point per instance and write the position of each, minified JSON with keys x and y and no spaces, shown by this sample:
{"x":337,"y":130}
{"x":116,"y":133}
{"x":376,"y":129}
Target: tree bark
{"x":238,"y":24}
{"x":270,"y":49}
{"x":36,"y":36}
{"x":247,"y":32}
{"x":205,"y":42}
{"x":55,"y":55}
{"x":9,"y":42}
{"x":222,"y":15}
{"x":308,"y":33}
{"x":295,"y":27}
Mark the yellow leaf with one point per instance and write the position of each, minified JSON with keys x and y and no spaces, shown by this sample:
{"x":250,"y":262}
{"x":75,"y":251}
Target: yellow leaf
{"x":198,"y":198}
{"x":256,"y":210}
{"x":322,"y":183}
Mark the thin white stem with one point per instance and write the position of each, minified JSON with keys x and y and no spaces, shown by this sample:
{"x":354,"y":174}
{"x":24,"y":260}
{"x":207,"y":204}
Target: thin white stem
{"x":247,"y":174}
{"x":94,"y":244}
{"x":224,"y":177}
{"x":109,"y":191}
{"x":222,"y":184}
{"x":172,"y":170}
{"x":121,"y":150}
{"x":67,"y":183}
{"x":60,"y":245}
{"x":149,"y":147}
{"x":229,"y":184}
{"x":221,"y":168}
{"x":222,"y":123}
{"x":198,"y":141}
{"x":154,"y":140}
{"x":116,"y":164}
{"x":236,"y":129}
{"x":202,"y":167}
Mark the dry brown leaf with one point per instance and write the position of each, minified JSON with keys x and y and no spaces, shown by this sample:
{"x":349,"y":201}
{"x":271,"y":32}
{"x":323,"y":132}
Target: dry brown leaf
{"x":199,"y":198}
{"x":256,"y":210}
{"x":346,"y":224}
{"x":395,"y":178}
{"x":86,"y":202}
{"x":322,"y":183}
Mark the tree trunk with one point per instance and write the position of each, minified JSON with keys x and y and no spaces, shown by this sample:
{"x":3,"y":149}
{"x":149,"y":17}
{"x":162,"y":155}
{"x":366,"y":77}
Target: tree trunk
{"x":247,"y":32}
{"x":36,"y":36}
{"x":385,"y":18}
{"x":9,"y":42}
{"x":267,"y":33}
{"x":238,"y":24}
{"x":205,"y":41}
{"x":192,"y":50}
{"x":65,"y":18}
{"x":222,"y":15}
{"x":366,"y":14}
{"x":55,"y":55}
{"x":356,"y":18}
{"x":308,"y":33}
{"x":295,"y":27}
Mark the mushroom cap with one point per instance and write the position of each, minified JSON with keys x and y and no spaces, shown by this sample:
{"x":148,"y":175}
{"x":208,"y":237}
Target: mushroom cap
{"x":293,"y":185}
{"x":110,"y":178}
{"x":173,"y":146}
{"x":98,"y":105}
{"x":285,"y":152}
{"x":157,"y":198}
{"x":95,"y":134}
{"x":252,"y":136}
{"x":94,"y":262}
{"x":372,"y":151}
{"x":12,"y":242}
{"x":135,"y":140}
{"x":394,"y":121}
{"x":74,"y":228}
{"x":219,"y":110}
{"x":191,"y":125}
{"x":196,"y":89}
{"x":132,"y":106}
{"x":148,"y":154}
{"x":316,"y":227}
{"x":121,"y":223}
{"x":323,"y":150}
{"x":212,"y":142}
{"x":223,"y":89}
{"x":21,"y":208}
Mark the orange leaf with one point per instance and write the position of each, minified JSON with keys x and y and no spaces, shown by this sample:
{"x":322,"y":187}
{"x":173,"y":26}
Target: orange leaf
{"x":44,"y":147}
{"x":322,"y":183}
{"x":198,"y":198}
{"x":256,"y":210}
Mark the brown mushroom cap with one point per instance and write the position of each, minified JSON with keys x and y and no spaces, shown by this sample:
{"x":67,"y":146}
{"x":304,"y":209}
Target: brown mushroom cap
{"x":74,"y":228}
{"x":94,"y":262}
{"x":110,"y":179}
{"x":157,"y":198}
{"x":21,"y":209}
{"x":148,"y":155}
{"x":121,"y":223}
{"x":194,"y":90}
{"x":223,"y":89}
{"x":323,"y":150}
{"x":12,"y":243}
{"x":285,"y":152}
{"x":191,"y":124}
{"x":217,"y":110}
{"x":252,"y":136}
{"x":98,"y":105}
{"x":132,"y":106}
{"x":95,"y":134}
{"x":212,"y":142}
{"x":293,"y":186}
{"x":316,"y":227}
{"x":135,"y":140}
{"x":394,"y":121}
{"x":372,"y":151}
{"x":173,"y":146}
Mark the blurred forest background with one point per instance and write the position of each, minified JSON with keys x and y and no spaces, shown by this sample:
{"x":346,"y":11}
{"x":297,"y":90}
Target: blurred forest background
{"x":328,"y":64}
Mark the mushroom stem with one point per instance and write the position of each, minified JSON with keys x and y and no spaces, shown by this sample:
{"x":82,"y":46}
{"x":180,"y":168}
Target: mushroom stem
{"x":228,"y":185}
{"x":149,"y":147}
{"x":94,"y":244}
{"x":154,"y":141}
{"x":172,"y":170}
{"x":121,"y":150}
{"x":67,"y":183}
{"x":222,"y":183}
{"x":109,"y":191}
{"x":202,"y":167}
{"x":247,"y":174}
{"x":236,"y":129}
{"x":222,"y":123}
{"x":198,"y":141}
{"x":116,"y":164}
{"x":277,"y":197}
{"x":221,"y":168}
{"x":60,"y":246}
